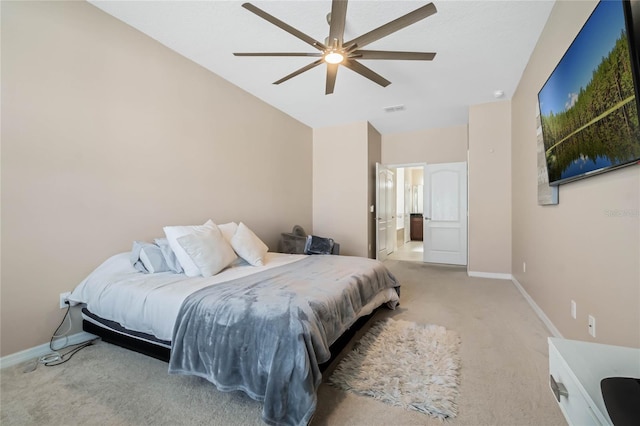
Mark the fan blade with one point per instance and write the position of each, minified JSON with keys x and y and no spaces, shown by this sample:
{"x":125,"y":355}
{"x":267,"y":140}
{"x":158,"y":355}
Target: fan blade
{"x":366,"y":72}
{"x":393,"y":26}
{"x":300,"y":71}
{"x":338,"y":17}
{"x":288,"y":28}
{"x":278,"y":54}
{"x":384,"y":54}
{"x":332,"y":72}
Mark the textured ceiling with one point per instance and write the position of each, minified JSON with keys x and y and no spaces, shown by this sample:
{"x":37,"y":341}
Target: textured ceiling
{"x":482,"y":46}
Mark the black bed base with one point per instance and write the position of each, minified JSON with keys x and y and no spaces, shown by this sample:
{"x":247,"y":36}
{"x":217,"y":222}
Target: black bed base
{"x":163,"y":354}
{"x":127,"y":342}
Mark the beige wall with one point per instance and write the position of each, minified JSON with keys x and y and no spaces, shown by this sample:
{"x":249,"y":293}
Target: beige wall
{"x":489,"y":171}
{"x":106,"y":137}
{"x":341,"y":186}
{"x":445,"y":145}
{"x":587,"y":248}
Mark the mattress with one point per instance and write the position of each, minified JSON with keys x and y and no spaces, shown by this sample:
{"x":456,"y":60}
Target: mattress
{"x":113,"y":281}
{"x":149,"y":303}
{"x":113,"y":328}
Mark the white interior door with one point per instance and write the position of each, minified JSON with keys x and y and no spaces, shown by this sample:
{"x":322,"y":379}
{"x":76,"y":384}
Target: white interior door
{"x":385,"y":205}
{"x":445,"y":213}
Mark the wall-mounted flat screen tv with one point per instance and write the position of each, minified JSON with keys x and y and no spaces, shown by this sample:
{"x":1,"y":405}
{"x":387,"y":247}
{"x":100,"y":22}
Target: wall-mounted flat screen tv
{"x":589,"y":105}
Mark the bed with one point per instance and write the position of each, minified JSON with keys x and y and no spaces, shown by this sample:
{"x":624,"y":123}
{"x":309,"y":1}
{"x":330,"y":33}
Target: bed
{"x":264,"y":330}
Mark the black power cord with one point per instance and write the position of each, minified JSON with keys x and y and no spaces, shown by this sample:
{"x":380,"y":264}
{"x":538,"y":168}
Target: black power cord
{"x":56,"y":358}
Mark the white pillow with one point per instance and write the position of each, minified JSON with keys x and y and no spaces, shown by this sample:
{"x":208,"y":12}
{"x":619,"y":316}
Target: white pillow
{"x":175,"y":232}
{"x":228,"y":230}
{"x":208,"y":249}
{"x":248,"y":245}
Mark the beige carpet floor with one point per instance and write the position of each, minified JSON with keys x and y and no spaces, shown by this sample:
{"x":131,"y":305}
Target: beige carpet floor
{"x":503,"y":381}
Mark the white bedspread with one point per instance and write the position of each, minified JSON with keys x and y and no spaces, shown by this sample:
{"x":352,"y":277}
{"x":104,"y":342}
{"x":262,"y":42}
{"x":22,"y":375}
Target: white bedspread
{"x":149,"y":303}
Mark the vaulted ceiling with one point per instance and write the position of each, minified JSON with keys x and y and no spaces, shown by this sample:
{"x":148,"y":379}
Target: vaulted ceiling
{"x":481,"y":46}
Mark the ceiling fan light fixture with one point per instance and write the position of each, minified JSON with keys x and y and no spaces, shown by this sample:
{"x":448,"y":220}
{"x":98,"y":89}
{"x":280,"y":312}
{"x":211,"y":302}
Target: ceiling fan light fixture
{"x":334,"y":57}
{"x":336,"y":52}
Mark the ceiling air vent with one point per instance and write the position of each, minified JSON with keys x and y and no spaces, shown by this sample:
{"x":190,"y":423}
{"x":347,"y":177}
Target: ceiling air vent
{"x":394,"y":108}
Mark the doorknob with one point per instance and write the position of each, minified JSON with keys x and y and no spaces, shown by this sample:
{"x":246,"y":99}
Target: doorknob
{"x":427,"y":218}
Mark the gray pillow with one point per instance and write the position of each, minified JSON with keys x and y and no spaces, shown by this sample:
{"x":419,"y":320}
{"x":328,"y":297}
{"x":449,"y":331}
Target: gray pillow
{"x":148,"y":258}
{"x":169,"y":256}
{"x":134,"y":257}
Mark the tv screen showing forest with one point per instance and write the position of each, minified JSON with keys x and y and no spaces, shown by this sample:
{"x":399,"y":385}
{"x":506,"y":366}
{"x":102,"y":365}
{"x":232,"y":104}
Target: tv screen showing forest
{"x":588,"y":106}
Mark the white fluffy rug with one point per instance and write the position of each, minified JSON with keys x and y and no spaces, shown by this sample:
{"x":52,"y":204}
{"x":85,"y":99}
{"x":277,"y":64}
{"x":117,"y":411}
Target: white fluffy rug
{"x":404,"y":364}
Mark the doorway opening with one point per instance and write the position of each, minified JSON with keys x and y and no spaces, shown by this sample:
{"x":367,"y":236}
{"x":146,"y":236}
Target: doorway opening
{"x":400,"y":210}
{"x":409,"y":213}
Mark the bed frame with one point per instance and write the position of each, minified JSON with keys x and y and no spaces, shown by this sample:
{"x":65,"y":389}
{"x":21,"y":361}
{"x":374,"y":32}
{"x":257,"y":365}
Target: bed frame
{"x":132,"y":343}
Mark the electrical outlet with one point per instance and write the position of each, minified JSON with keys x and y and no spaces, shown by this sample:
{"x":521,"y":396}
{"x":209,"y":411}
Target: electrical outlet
{"x":573,"y":309}
{"x":63,"y":299}
{"x":592,"y":326}
{"x":524,"y":266}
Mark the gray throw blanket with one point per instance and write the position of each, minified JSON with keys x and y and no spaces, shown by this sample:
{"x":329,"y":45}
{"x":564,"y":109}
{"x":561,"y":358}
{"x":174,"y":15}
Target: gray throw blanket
{"x":265,"y":334}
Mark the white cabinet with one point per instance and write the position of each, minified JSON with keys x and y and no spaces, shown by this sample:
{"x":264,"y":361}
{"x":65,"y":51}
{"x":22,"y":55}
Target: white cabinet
{"x":577,"y":368}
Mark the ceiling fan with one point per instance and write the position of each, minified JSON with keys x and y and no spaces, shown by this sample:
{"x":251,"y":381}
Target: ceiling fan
{"x":335,"y":51}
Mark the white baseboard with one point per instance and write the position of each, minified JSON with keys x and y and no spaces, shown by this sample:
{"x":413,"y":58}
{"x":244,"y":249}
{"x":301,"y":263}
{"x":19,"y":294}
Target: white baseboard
{"x":494,"y":275}
{"x":38,"y":351}
{"x":545,"y":319}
